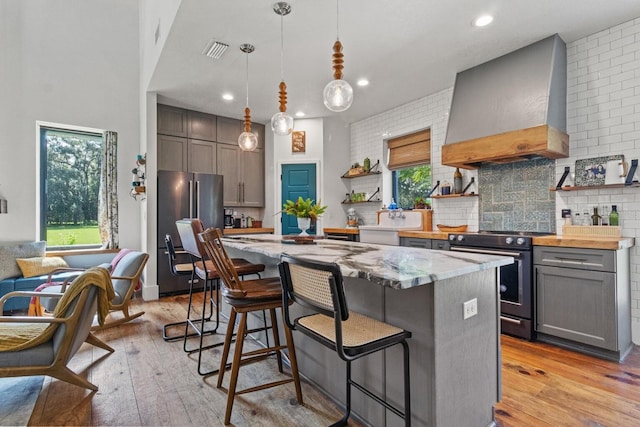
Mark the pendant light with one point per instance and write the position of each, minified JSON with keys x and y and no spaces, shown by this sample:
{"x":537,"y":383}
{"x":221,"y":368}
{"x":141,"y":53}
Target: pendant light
{"x":281,"y":122}
{"x":338,"y":93}
{"x":247,"y":140}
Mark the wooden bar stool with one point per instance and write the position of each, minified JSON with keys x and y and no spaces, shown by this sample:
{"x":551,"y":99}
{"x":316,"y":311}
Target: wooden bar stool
{"x":319,"y":286}
{"x":244,"y":297}
{"x":205,"y":269}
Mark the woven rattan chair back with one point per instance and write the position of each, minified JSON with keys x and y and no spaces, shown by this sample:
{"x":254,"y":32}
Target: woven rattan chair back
{"x":211,"y":240}
{"x":318,"y":285}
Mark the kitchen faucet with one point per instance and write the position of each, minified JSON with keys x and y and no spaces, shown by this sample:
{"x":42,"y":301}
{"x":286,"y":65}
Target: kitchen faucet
{"x":396,"y":213}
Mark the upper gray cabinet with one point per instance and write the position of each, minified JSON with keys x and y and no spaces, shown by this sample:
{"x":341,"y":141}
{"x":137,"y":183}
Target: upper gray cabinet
{"x":201,"y":126}
{"x":230,"y":129}
{"x":176,"y":121}
{"x":172,"y":121}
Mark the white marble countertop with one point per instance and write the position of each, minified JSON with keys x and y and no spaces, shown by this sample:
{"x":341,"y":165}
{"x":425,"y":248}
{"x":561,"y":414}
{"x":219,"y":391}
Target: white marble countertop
{"x":393,"y":266}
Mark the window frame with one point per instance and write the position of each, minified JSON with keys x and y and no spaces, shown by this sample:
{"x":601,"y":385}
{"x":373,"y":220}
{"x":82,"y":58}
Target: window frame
{"x":41,"y":178}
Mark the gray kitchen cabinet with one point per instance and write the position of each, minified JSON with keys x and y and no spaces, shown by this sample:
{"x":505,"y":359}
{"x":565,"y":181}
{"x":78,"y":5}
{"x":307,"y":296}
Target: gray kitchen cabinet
{"x":202,"y":156}
{"x":201,"y":126}
{"x":414,"y":242}
{"x":228,"y":131}
{"x":172,"y":121}
{"x":345,"y":237}
{"x":172,"y":153}
{"x":441,"y":245}
{"x":243,"y":173}
{"x":186,"y":155}
{"x":583,"y":299}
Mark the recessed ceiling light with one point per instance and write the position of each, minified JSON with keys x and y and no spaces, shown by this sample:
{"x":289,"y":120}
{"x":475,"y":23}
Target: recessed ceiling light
{"x":227,"y":97}
{"x":363,"y":82}
{"x":483,"y":21}
{"x":300,"y":114}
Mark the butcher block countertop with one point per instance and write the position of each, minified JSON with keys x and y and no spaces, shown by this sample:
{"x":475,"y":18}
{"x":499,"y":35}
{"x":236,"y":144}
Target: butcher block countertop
{"x":233,"y":231}
{"x":342,"y":230}
{"x":586,"y":242}
{"x":438,"y":235}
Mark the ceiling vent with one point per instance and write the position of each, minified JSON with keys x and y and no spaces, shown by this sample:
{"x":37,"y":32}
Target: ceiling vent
{"x":215,"y":49}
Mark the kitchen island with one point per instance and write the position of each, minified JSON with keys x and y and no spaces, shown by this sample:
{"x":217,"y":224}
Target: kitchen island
{"x":455,"y":362}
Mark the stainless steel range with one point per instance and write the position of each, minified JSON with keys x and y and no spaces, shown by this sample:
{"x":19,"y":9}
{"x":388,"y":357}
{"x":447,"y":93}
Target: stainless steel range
{"x":516,"y":280}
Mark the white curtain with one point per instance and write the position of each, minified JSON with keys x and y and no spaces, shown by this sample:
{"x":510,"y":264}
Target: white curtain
{"x":108,"y":204}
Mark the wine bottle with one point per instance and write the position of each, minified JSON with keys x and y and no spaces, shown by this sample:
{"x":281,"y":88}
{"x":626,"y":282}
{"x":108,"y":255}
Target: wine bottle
{"x":614,"y":218}
{"x":457,"y":181}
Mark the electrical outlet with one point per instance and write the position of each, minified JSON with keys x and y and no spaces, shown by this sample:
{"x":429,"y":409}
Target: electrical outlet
{"x":470,"y":308}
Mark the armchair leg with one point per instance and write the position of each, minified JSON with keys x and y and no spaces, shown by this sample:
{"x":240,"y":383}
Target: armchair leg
{"x":67,"y":375}
{"x":93,"y":340}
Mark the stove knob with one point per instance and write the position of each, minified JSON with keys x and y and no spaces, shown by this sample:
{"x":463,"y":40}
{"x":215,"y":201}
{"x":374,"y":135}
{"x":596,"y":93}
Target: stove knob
{"x":509,"y":240}
{"x":460,"y":238}
{"x":452,"y":237}
{"x":520,"y":241}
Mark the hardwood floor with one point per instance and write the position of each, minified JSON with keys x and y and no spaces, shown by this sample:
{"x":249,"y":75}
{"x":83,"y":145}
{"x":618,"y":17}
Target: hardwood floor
{"x":543,"y":385}
{"x":148,"y":381}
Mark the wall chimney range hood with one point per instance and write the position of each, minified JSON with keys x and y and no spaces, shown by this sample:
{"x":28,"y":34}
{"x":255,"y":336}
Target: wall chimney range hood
{"x":510,"y":109}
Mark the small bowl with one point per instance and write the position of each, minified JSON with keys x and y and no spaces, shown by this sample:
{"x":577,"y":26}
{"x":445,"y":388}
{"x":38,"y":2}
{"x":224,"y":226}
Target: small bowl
{"x":452,"y":228}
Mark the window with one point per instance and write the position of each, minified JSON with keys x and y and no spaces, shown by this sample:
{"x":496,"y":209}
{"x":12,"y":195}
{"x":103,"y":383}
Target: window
{"x":410,"y":162}
{"x":69,"y":186}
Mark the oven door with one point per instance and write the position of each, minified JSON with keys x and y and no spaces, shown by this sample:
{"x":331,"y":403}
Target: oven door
{"x":516,"y":290}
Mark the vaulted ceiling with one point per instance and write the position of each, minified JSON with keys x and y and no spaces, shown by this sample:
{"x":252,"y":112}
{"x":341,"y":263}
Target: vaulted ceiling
{"x":407,"y":49}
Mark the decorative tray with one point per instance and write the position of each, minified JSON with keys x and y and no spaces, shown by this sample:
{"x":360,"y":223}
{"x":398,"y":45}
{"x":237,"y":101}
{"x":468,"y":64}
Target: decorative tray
{"x":300,"y":240}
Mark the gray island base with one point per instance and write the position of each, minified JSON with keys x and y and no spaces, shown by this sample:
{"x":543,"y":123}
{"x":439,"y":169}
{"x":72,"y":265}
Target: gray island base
{"x":454,"y":362}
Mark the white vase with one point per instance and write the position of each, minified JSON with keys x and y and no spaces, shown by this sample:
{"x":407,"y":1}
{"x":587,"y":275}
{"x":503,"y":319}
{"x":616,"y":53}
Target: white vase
{"x":304,"y":224}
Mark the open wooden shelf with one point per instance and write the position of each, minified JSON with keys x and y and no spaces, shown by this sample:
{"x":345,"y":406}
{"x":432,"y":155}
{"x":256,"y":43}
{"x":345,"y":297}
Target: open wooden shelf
{"x":594,"y":187}
{"x":372,"y":171}
{"x":447,"y":196}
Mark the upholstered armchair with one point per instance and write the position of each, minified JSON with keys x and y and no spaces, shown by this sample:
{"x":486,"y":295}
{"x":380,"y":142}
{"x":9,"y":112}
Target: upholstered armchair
{"x":43,"y":345}
{"x":126,"y":272}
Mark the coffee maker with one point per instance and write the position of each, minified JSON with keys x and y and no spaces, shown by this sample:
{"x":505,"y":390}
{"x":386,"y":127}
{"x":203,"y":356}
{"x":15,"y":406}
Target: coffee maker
{"x":228,"y":218}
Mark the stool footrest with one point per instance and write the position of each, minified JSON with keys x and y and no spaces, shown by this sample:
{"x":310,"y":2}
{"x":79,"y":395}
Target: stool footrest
{"x":264,"y":386}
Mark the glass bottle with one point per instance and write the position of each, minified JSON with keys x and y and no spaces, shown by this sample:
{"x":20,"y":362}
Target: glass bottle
{"x":457,"y":181}
{"x":586,"y":218}
{"x":614,"y":218}
{"x":595,"y":218}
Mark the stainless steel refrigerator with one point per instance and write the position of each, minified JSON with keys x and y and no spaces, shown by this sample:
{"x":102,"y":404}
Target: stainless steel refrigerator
{"x":184,"y":195}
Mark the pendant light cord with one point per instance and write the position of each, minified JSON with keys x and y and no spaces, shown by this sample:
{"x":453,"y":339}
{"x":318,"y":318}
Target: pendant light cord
{"x":337,"y":19}
{"x":281,"y":48}
{"x":247,"y":74}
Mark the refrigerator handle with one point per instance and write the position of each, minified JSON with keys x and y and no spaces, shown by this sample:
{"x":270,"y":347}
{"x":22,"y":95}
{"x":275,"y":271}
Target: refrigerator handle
{"x":190,"y":199}
{"x":197,"y":199}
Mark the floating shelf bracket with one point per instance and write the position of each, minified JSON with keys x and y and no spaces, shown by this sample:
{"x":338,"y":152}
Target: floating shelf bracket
{"x":563,"y":177}
{"x":434,"y":188}
{"x":632,"y":172}
{"x":370,"y":199}
{"x":473,"y":179}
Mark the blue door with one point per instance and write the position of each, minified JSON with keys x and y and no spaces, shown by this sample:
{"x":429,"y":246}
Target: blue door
{"x":298,"y":180}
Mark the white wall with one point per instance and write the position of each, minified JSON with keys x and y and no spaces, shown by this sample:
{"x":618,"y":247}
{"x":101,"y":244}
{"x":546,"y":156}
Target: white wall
{"x":603,"y":118}
{"x":368,"y":139}
{"x":72,"y":63}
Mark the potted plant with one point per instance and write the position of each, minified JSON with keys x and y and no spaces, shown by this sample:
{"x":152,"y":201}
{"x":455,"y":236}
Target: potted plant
{"x":420,"y":203}
{"x":305,"y":210}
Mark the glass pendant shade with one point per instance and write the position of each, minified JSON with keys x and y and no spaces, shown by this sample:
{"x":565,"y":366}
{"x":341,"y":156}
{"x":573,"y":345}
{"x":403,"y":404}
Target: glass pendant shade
{"x":282,"y":123}
{"x":248,"y":141}
{"x":338,"y":95}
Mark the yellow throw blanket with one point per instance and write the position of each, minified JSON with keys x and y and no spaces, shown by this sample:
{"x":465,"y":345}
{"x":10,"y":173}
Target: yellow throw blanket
{"x":15,"y":337}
